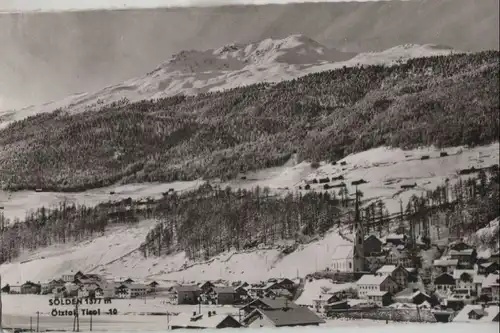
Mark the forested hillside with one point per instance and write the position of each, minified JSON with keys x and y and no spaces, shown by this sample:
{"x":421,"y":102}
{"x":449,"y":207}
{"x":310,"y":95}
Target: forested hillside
{"x":446,"y":101}
{"x":210,"y":220}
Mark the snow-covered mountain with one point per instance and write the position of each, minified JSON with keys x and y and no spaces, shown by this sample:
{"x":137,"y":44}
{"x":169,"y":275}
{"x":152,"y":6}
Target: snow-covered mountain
{"x":230,"y":66}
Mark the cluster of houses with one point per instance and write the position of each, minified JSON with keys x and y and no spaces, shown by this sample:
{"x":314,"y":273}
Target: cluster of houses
{"x":84,"y":285}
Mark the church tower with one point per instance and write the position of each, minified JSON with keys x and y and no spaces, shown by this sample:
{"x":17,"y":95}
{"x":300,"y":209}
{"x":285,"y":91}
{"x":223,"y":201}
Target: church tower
{"x":359,"y":236}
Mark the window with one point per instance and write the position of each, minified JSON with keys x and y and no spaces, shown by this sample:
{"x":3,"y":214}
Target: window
{"x":350,"y":265}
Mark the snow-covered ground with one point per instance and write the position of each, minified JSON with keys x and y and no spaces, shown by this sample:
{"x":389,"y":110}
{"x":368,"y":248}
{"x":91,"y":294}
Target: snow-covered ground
{"x":384,"y":169}
{"x":115,"y":253}
{"x":231,"y":66}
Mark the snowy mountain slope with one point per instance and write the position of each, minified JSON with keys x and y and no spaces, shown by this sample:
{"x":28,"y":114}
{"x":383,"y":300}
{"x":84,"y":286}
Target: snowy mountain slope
{"x":384,"y":169}
{"x":233,"y":65}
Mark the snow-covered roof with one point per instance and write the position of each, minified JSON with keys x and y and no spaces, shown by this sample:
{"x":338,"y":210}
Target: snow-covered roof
{"x":343,"y":252}
{"x":372,"y":279}
{"x":446,"y":262}
{"x":463,"y":315}
{"x":409,"y":293}
{"x":376,"y":293}
{"x":479,"y":279}
{"x":394,"y":237}
{"x":466,"y":252}
{"x":490,"y":280}
{"x":291,"y":317}
{"x":184,"y":320}
{"x":387,"y":269}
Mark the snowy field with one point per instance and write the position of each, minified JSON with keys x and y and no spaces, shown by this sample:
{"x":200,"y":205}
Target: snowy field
{"x":115,"y":253}
{"x":160,"y":324}
{"x":230,"y":66}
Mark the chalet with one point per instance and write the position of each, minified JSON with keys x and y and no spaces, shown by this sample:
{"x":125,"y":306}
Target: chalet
{"x":88,"y":290}
{"x":152,"y":286}
{"x":187,"y":294}
{"x":372,"y":246}
{"x":223,"y":295}
{"x":132,"y":290}
{"x":284,"y":317}
{"x":464,"y":279}
{"x":445,"y":265}
{"x":48,"y":287}
{"x":369,"y":283}
{"x":466,"y":258}
{"x":379,"y":298}
{"x":444,"y":282}
{"x":412,"y":296}
{"x":206,"y":286}
{"x":398,"y":257}
{"x":396,"y":240}
{"x":479,"y":313}
{"x":273,"y":293}
{"x":286,"y":284}
{"x":343,"y":258}
{"x":200,"y":321}
{"x":398,"y":274}
{"x":322,"y":301}
{"x":30,"y":288}
{"x":15,"y":289}
{"x":267,"y":304}
{"x":490,"y":287}
{"x":487,"y":268}
{"x":341,"y":305}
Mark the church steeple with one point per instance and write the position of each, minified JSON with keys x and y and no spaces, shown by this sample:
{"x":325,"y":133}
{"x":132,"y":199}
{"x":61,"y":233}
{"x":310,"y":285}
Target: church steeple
{"x":359,"y":236}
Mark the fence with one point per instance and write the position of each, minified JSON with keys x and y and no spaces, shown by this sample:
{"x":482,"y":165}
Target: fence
{"x":406,"y":315}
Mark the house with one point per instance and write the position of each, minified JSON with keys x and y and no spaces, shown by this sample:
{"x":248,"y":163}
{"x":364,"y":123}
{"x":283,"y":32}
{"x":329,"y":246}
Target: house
{"x":487,"y":268}
{"x":369,"y":283}
{"x":31,"y":288}
{"x":341,"y":305}
{"x":412,"y":296}
{"x":343,"y":258}
{"x":48,"y":287}
{"x":206,"y":286}
{"x":466,"y":258}
{"x":15,"y":289}
{"x":395,"y":239}
{"x":398,"y":257}
{"x":285,"y":317}
{"x":210,"y":321}
{"x":380,"y":298}
{"x":267,"y":304}
{"x":79,"y":275}
{"x":278,"y":293}
{"x":490,"y":287}
{"x":132,"y":290}
{"x":445,"y":265}
{"x":475,"y":313}
{"x":222,"y":295}
{"x":88,"y":289}
{"x":320,"y":303}
{"x":242,"y":293}
{"x":444,"y":282}
{"x":261,"y":290}
{"x":372,"y":246}
{"x":152,"y":286}
{"x":187,"y":294}
{"x":398,"y":274}
{"x":464,"y":278}
{"x":286,"y":284}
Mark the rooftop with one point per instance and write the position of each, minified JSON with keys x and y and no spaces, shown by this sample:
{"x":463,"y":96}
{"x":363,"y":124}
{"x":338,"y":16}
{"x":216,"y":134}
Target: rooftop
{"x":372,"y":279}
{"x":343,"y":252}
{"x":292,"y":316}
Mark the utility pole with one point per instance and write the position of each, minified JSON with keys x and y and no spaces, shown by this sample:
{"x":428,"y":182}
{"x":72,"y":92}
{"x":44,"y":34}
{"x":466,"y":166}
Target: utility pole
{"x":91,"y":321}
{"x":38,"y":321}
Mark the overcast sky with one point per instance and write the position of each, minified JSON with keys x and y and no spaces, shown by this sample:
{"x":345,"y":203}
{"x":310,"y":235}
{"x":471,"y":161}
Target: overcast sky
{"x":61,"y":5}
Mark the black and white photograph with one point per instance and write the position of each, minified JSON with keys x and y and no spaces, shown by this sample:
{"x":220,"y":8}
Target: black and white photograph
{"x":249,"y":165}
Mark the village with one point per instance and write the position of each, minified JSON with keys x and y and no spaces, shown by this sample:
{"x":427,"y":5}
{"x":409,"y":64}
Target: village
{"x":374,"y":279}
